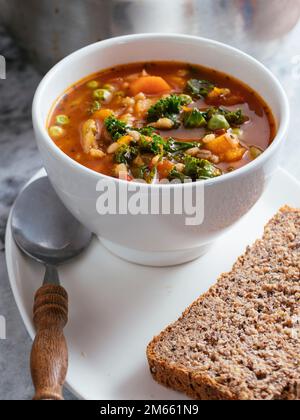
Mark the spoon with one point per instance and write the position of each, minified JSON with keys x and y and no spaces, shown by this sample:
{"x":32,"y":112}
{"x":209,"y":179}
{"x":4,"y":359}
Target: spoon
{"x":45,"y":231}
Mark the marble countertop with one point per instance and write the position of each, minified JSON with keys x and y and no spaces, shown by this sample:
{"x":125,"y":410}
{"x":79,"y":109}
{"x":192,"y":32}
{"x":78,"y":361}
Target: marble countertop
{"x":19,"y":160}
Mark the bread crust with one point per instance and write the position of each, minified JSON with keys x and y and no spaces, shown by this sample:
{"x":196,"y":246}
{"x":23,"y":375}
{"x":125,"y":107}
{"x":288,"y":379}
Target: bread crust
{"x":197,"y":385}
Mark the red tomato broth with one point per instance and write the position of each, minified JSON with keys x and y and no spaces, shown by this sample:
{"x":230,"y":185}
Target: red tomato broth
{"x":259,"y":131}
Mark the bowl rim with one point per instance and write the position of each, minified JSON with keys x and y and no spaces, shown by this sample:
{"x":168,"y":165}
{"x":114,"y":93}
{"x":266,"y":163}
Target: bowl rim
{"x":276,"y":143}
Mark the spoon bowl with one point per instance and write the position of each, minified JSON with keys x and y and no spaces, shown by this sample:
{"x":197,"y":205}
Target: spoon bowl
{"x":44,"y":229}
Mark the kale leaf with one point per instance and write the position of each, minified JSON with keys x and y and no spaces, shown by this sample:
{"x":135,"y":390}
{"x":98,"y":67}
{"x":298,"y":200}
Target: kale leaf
{"x":194,"y":119}
{"x":116,"y":128}
{"x":236,"y":118}
{"x":200,"y":169}
{"x":173,"y":146}
{"x":169,"y":107}
{"x":126,"y":154}
{"x":199,"y":89}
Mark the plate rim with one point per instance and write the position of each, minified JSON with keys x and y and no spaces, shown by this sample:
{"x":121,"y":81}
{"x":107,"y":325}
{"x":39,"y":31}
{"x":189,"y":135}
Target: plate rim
{"x":13,"y":279}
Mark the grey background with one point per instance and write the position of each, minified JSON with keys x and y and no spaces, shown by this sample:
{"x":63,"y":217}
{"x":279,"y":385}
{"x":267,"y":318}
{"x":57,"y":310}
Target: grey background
{"x":19,"y":160}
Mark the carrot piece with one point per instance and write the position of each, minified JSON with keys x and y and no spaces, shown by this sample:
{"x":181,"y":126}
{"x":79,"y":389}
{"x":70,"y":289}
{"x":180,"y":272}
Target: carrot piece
{"x":125,"y":140}
{"x":220,"y":145}
{"x":164,"y":168}
{"x":150,"y":85}
{"x":103,"y":114}
{"x":233,"y":155}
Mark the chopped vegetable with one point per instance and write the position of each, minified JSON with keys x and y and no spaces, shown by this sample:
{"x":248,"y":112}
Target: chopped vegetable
{"x":126,"y":154}
{"x":109,"y":87}
{"x":220,"y":144}
{"x":62,"y":120}
{"x":199,"y":88}
{"x":194,"y":119}
{"x":173,"y":146}
{"x":144,"y":173}
{"x":150,"y":85}
{"x":255,"y":152}
{"x":233,"y":155}
{"x":169,"y":107}
{"x":164,"y":168}
{"x":235,"y":118}
{"x":197,"y":169}
{"x":218,"y":92}
{"x":116,"y":128}
{"x":56,"y":131}
{"x":102,"y":114}
{"x":218,"y":122}
{"x":146,"y":131}
{"x":175,"y":174}
{"x":96,"y":106}
{"x":92,"y":84}
{"x":237,"y":131}
{"x":154,"y":144}
{"x":103,"y":95}
{"x":125,"y":139}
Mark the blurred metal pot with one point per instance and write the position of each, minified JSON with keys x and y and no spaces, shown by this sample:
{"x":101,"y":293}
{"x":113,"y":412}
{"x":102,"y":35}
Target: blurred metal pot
{"x":49,"y":30}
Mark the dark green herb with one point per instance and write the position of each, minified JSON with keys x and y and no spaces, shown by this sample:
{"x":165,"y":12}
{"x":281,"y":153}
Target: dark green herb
{"x":234,"y":118}
{"x":173,"y":146}
{"x":146,"y":131}
{"x":175,"y":174}
{"x":155,"y":146}
{"x":197,"y":169}
{"x":169,"y":107}
{"x":116,"y":128}
{"x":199,"y":88}
{"x":126,"y":154}
{"x":146,"y":174}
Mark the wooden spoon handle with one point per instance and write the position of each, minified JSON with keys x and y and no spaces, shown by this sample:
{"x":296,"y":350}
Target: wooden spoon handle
{"x":49,"y":356}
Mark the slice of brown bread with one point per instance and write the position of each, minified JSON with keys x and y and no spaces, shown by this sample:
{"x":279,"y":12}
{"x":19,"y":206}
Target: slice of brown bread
{"x":241,"y":340}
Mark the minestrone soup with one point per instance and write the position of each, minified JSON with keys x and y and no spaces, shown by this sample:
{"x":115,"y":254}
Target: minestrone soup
{"x":161,"y":120}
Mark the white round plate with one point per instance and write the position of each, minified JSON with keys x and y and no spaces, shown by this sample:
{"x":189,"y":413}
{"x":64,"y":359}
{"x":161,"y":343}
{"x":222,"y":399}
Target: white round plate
{"x":117,"y":307}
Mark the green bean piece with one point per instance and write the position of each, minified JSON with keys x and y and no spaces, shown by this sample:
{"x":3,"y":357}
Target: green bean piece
{"x":102,"y":95}
{"x":62,"y":120}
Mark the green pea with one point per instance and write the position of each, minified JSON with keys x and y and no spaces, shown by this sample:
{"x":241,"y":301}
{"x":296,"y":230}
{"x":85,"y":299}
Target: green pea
{"x":56,"y":131}
{"x":109,"y":87}
{"x":93,"y":84}
{"x":255,"y":152}
{"x":102,"y":95}
{"x":62,"y":120}
{"x":218,"y":122}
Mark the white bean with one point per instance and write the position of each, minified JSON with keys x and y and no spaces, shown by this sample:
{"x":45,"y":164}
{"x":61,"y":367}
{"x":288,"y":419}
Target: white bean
{"x":194,"y":151}
{"x":113,"y":148}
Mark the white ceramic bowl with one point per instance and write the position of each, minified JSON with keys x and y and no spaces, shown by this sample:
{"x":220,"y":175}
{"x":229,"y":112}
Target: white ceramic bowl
{"x":159,"y":240}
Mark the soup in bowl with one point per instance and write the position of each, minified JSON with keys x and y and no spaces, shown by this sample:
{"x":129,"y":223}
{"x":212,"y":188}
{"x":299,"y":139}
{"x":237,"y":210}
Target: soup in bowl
{"x":174,"y":116}
{"x":158,"y":121}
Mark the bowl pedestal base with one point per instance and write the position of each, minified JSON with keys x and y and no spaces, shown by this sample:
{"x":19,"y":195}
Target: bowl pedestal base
{"x":155,"y":259}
